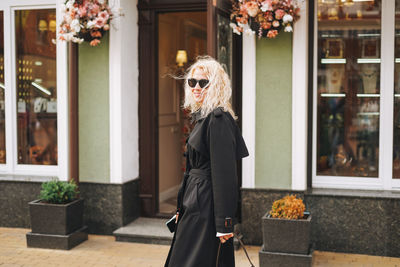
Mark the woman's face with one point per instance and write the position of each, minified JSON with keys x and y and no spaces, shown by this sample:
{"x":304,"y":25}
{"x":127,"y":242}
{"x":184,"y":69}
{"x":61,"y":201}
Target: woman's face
{"x":198,"y":92}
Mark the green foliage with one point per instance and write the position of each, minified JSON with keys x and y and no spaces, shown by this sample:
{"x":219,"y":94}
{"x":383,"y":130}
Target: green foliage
{"x":58,"y":192}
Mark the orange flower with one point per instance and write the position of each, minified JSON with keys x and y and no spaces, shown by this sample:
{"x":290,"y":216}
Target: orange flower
{"x":272,"y":33}
{"x":95,"y":34}
{"x":94,"y":42}
{"x":288,"y":207}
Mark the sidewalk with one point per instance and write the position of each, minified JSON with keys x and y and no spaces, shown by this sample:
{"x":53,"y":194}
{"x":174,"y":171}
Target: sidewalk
{"x":104,"y":251}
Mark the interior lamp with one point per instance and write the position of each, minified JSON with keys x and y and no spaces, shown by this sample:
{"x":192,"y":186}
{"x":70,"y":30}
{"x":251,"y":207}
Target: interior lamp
{"x":181,"y":57}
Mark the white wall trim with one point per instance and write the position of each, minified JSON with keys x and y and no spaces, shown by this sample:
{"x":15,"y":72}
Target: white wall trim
{"x":299,"y":99}
{"x":123,"y":94}
{"x":249,"y":109}
{"x":387,"y":93}
{"x":62,"y":102}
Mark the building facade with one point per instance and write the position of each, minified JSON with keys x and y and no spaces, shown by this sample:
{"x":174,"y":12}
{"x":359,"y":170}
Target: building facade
{"x":318,"y":109}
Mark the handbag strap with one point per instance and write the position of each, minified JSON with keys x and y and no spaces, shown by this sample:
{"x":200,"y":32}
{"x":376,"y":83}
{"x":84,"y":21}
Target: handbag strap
{"x":219,"y":249}
{"x":241,"y":244}
{"x":244,"y":248}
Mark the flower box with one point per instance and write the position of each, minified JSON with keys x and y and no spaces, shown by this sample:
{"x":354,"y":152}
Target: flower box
{"x":56,"y":219}
{"x":286,"y":235}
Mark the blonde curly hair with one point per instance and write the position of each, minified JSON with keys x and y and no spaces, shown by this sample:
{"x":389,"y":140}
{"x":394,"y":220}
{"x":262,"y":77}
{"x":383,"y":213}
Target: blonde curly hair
{"x":219,"y":91}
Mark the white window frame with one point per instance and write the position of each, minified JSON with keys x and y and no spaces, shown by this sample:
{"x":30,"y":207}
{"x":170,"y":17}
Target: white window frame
{"x":385,"y":179}
{"x":12,"y":167}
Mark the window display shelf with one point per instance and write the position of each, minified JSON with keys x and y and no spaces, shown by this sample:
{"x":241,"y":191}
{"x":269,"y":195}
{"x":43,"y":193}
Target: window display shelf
{"x":368,"y":60}
{"x":368,"y":113}
{"x":358,"y":95}
{"x":350,"y":24}
{"x":333,"y":61}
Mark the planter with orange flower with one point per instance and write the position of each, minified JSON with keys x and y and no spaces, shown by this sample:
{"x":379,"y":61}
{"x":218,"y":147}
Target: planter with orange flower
{"x":286,"y":234}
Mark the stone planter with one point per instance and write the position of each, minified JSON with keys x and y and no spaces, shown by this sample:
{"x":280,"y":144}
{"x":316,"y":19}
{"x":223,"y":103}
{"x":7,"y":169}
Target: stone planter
{"x":286,"y":242}
{"x":286,"y":236}
{"x":58,"y":226}
{"x":56,"y":219}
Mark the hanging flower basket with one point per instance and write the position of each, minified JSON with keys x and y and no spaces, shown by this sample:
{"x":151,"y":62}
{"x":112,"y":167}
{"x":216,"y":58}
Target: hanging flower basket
{"x":85,"y":20}
{"x":266,"y":18}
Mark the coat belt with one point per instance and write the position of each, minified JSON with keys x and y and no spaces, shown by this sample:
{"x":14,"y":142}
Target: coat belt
{"x":201,"y":172}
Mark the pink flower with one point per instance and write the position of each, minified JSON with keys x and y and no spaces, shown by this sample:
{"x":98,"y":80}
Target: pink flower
{"x":252,"y":8}
{"x":82,"y":11}
{"x":104,"y":15}
{"x":275,"y":23}
{"x":266,"y":6}
{"x":279,"y":13}
{"x":272,"y":33}
{"x":99,"y":22}
{"x":95,"y":9}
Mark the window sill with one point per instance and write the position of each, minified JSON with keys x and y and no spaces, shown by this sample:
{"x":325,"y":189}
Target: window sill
{"x":25,"y":178}
{"x":376,"y":194}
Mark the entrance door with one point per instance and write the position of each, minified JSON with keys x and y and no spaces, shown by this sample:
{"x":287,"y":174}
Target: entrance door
{"x":182,"y":36}
{"x":160,"y":113}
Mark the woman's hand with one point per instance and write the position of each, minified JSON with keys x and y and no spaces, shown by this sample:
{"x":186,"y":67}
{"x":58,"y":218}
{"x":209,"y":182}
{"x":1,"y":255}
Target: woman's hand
{"x":225,"y":237}
{"x":176,"y":218}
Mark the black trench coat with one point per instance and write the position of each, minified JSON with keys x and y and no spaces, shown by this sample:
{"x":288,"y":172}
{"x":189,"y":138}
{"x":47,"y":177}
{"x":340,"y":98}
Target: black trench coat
{"x":208,"y":196}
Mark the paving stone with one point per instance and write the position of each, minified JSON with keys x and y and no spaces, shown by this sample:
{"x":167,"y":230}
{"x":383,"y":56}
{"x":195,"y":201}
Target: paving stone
{"x":105,"y":251}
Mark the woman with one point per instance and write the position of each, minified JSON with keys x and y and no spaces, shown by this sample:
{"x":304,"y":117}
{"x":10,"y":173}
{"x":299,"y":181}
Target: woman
{"x":208,"y":196}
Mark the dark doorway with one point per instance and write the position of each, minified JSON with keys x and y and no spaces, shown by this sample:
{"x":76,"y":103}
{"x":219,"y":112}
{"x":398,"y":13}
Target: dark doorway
{"x":182,"y":36}
{"x":171,"y":34}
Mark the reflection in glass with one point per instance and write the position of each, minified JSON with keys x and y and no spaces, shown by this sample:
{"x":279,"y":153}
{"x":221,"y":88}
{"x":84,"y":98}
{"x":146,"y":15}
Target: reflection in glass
{"x":224,"y":44}
{"x":348,"y":88}
{"x":396,"y":115}
{"x":36,"y":86}
{"x":2,"y":89}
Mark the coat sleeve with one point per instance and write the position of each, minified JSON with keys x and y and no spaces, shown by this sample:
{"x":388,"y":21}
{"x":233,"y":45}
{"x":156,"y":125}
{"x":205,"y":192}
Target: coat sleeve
{"x":222,"y":149}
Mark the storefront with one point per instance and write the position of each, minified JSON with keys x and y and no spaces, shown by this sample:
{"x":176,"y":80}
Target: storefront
{"x":318,"y":109}
{"x":340,"y":150}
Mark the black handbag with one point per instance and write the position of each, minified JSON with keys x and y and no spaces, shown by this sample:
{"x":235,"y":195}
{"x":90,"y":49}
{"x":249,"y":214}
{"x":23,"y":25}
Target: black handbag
{"x":171,"y":224}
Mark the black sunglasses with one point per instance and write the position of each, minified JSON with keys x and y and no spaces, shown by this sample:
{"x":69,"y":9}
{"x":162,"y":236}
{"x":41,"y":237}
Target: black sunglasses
{"x":203,"y":82}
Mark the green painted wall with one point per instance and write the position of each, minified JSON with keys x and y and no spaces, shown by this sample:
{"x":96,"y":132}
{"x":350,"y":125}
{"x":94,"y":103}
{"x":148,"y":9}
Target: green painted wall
{"x":274,"y":112}
{"x":94,"y":145}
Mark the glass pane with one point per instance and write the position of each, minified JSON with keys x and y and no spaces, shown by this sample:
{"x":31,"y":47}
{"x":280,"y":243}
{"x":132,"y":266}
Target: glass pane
{"x":36,"y":86}
{"x":224,"y":44}
{"x":2,"y":113}
{"x":396,"y":115}
{"x":348,"y":88}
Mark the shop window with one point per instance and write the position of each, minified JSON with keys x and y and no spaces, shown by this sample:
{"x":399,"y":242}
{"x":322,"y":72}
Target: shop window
{"x":33,"y":91}
{"x":348,"y":88}
{"x":356,"y":81}
{"x":36,"y":86}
